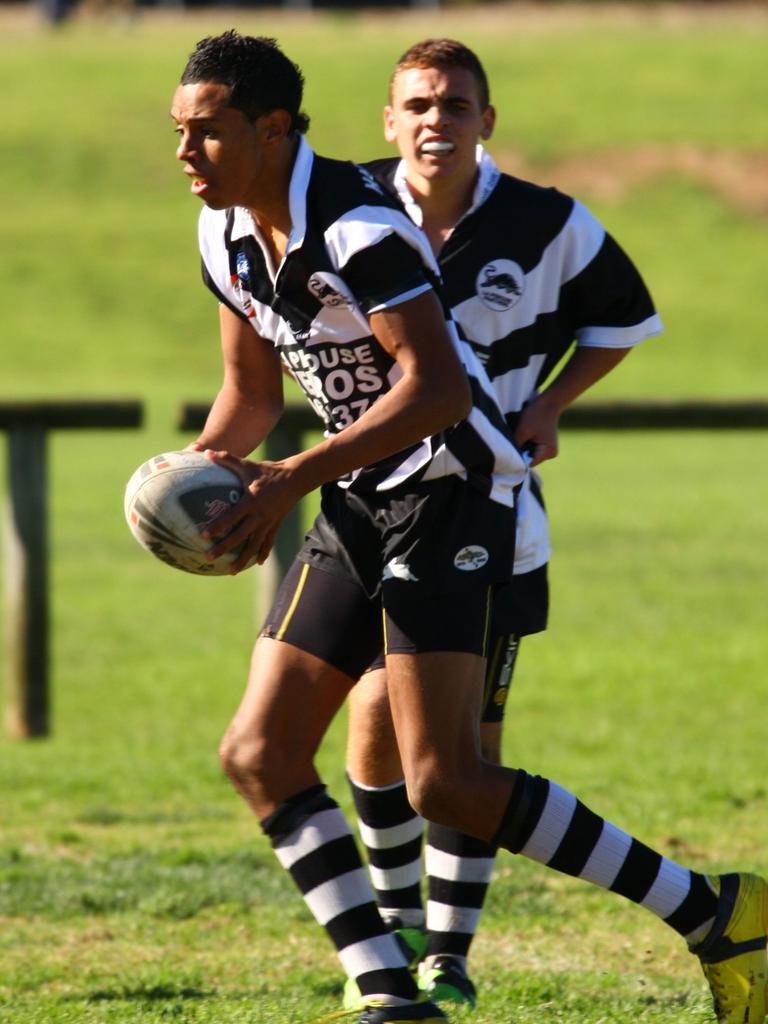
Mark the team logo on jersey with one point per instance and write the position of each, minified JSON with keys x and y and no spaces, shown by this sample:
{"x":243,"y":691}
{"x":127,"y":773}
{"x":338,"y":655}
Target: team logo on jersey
{"x":241,"y":282}
{"x":243,"y":268}
{"x":500,"y":284}
{"x":330,"y":290}
{"x":471,"y":558}
{"x":397,"y":569}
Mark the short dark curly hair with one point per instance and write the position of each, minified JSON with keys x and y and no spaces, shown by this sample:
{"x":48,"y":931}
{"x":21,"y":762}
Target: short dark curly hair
{"x":442,"y":54}
{"x":257,"y":71}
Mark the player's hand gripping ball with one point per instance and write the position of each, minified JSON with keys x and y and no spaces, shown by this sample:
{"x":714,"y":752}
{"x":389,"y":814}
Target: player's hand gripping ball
{"x":174,"y":496}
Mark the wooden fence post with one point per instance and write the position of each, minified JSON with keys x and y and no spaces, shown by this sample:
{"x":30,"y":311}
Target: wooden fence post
{"x":26,"y":584}
{"x":26,"y":545}
{"x":284,"y":440}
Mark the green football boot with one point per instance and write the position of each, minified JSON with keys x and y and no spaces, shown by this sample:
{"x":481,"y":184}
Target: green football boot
{"x":445,"y":980}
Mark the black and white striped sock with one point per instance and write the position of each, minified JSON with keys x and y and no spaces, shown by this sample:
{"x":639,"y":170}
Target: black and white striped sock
{"x":392,"y":833}
{"x":459,"y":870}
{"x":314,"y":843}
{"x":545,"y":822}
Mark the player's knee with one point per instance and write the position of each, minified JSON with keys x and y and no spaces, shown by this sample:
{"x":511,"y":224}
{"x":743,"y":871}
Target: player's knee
{"x":369,"y":704}
{"x":430,"y":793}
{"x":371,"y":692}
{"x":244,"y":761}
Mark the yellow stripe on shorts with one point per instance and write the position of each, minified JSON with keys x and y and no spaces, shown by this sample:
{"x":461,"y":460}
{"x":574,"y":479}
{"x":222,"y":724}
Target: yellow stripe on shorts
{"x":492,"y":669}
{"x":486,"y":631}
{"x":294,"y":603}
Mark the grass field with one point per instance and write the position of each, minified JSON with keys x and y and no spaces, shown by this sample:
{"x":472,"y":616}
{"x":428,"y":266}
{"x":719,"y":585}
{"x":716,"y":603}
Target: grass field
{"x":134,"y":886}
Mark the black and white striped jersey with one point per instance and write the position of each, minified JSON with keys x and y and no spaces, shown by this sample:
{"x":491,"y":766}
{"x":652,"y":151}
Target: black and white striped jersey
{"x":527,"y":271}
{"x":352,"y":251}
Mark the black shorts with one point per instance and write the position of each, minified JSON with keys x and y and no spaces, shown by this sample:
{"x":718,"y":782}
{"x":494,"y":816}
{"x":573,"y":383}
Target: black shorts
{"x":522,"y":605}
{"x":519,"y":608}
{"x":408,"y":571}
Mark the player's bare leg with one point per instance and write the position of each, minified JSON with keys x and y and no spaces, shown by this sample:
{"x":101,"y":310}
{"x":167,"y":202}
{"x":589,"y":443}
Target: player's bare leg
{"x":268,"y":753}
{"x":290,"y":700}
{"x":372,"y":754}
{"x":435,"y":700}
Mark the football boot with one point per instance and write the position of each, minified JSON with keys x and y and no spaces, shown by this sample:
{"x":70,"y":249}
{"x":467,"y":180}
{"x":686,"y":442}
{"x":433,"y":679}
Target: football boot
{"x":445,"y":980}
{"x":733,"y":954}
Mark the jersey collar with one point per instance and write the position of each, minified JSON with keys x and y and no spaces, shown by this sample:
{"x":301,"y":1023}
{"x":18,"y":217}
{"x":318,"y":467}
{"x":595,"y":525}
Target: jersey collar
{"x":488,"y":176}
{"x":243,"y":225}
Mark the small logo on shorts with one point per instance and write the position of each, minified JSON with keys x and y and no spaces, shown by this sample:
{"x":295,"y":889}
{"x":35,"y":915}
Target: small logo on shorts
{"x":471,"y":558}
{"x":397,"y":569}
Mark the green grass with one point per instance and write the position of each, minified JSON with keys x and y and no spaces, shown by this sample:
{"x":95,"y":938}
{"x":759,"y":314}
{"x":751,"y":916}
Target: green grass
{"x":134,"y":884}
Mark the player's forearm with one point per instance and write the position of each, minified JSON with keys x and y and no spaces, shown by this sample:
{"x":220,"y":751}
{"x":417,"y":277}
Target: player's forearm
{"x":586,"y":366}
{"x":412,"y":410}
{"x":238,"y":423}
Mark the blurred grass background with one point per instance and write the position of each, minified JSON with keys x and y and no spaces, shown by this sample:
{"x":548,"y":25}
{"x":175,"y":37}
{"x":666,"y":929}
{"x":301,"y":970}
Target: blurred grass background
{"x":99,"y":228}
{"x":133,"y":884}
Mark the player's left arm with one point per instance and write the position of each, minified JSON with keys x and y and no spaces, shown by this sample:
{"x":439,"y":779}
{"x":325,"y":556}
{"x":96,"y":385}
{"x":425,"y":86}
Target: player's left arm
{"x":538,"y":426}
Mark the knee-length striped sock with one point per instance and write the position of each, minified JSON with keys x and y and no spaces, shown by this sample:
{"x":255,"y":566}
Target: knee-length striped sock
{"x":545,"y":822}
{"x":392,"y":834}
{"x":313,"y":842}
{"x":459,"y":870}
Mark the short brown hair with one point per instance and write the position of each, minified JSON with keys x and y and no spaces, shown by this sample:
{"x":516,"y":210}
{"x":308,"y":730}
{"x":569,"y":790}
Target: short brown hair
{"x":443,"y":53}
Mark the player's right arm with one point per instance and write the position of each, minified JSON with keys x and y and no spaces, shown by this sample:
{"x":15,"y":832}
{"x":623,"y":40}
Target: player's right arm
{"x":431,"y":393}
{"x":538,"y":426}
{"x":250,"y":399}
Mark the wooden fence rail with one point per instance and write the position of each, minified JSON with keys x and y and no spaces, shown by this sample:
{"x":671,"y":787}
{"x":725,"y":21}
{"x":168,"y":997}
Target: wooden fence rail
{"x":618,"y":414}
{"x":27,"y":425}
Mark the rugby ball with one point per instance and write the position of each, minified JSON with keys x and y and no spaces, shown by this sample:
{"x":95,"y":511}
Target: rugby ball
{"x":171,"y":498}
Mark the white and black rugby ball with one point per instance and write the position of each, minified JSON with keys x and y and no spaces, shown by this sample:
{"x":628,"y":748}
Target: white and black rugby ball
{"x":171,"y":498}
